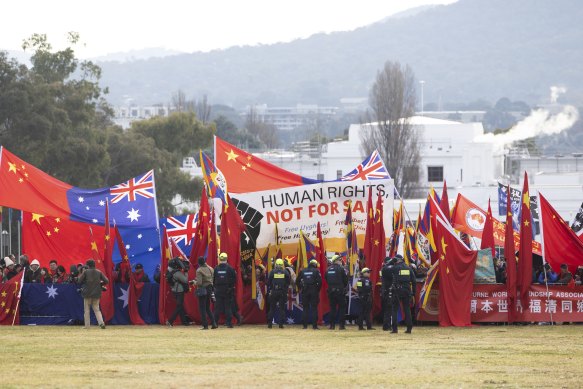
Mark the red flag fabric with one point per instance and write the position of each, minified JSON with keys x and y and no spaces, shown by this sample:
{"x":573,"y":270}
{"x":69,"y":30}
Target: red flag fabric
{"x":246,"y":173}
{"x":106,"y":302}
{"x":45,"y":238}
{"x":378,"y":252}
{"x":200,"y":239}
{"x":470,"y":219}
{"x":324,"y":305}
{"x":457,"y":265}
{"x":524,"y":276}
{"x":125,"y":268}
{"x":9,"y":297}
{"x":488,"y":232}
{"x":510,"y":261}
{"x":107,"y":306}
{"x":231,"y":228}
{"x":444,"y":203}
{"x":368,"y":237}
{"x":27,"y":188}
{"x":165,"y":303}
{"x":560,"y":243}
{"x":135,"y":288}
{"x":212,"y":258}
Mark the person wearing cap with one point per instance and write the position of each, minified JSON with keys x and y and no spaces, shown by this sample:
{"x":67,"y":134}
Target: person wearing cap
{"x":277,"y":284}
{"x":309,"y":282}
{"x":404,"y":284}
{"x":32,"y":274}
{"x":92,"y":280}
{"x":565,"y":276}
{"x":9,"y":271}
{"x":224,"y":278}
{"x":139,"y":275}
{"x":387,"y":291}
{"x":337,"y":281}
{"x":364,"y":289}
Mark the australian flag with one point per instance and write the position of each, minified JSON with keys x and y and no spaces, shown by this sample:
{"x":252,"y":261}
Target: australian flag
{"x":371,"y":168}
{"x":181,"y":229}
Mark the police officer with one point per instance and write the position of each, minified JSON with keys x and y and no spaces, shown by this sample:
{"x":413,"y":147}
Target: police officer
{"x":277,"y":284}
{"x":309,"y":282}
{"x":404,"y":288}
{"x":364,"y":289}
{"x":386,"y":292}
{"x":337,"y":281}
{"x":224,"y":282}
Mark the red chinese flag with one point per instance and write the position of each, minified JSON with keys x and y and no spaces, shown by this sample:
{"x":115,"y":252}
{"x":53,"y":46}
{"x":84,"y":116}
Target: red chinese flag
{"x":510,"y":261}
{"x":245,"y":173}
{"x":444,"y":204}
{"x":27,"y":188}
{"x":488,"y":232}
{"x":135,"y":288}
{"x":9,"y":296}
{"x":524,"y":276}
{"x":165,"y":303}
{"x":200,"y":239}
{"x":560,"y":243}
{"x":324,"y":305}
{"x":190,"y":301}
{"x":212,"y":255}
{"x":107,"y":307}
{"x":379,"y":252}
{"x":45,"y":238}
{"x":368,"y":237}
{"x":457,"y":265}
{"x":231,"y":228}
{"x":125,"y":268}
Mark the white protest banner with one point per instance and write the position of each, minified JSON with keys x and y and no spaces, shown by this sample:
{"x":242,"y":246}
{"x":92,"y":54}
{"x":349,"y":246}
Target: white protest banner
{"x":302,"y":207}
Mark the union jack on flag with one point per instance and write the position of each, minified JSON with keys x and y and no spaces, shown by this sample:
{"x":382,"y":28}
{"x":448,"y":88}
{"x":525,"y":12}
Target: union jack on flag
{"x":138,"y":186}
{"x":181,"y":231}
{"x":371,"y":168}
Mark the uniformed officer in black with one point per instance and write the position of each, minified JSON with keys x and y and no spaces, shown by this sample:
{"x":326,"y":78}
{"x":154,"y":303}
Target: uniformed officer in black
{"x":277,"y":285}
{"x":404,"y":288}
{"x":337,"y":281}
{"x":364,"y":289}
{"x":309,"y":282}
{"x":386,"y":292}
{"x":224,"y":283}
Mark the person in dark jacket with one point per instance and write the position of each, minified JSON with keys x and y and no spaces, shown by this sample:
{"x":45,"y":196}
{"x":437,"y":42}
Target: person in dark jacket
{"x":92,"y":281}
{"x":204,"y":291}
{"x":309,"y":283}
{"x":224,"y":279}
{"x":404,"y":285}
{"x":179,"y":288}
{"x":364,"y":289}
{"x":32,"y":274}
{"x":565,"y":275}
{"x":277,"y":284}
{"x":139,"y":275}
{"x":337,"y":281}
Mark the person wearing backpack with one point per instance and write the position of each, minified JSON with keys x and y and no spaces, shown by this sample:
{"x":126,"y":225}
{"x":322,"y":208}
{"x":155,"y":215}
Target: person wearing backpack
{"x":178,"y":281}
{"x":204,"y":291}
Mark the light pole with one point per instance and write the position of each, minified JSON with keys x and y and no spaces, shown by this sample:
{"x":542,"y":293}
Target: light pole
{"x":422,"y":84}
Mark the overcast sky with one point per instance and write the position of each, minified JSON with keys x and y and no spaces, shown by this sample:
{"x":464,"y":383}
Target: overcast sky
{"x":109,"y":26}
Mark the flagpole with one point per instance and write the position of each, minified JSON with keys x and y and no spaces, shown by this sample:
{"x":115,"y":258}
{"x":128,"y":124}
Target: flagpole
{"x":9,"y":230}
{"x":19,"y":227}
{"x":19,"y":295}
{"x":543,"y":255}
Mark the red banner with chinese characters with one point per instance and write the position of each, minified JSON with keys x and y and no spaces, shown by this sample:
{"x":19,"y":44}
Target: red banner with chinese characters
{"x":489,"y":304}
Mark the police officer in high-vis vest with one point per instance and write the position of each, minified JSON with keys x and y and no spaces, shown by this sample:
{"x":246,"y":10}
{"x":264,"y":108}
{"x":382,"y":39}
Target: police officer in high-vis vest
{"x":309,"y":282}
{"x":337,"y":281}
{"x":224,"y":279}
{"x":364,"y":289}
{"x":404,"y":290}
{"x":277,"y":284}
{"x":387,"y":292}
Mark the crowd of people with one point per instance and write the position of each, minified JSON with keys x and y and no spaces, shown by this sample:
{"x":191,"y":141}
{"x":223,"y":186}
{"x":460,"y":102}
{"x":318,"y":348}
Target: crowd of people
{"x":542,"y":274}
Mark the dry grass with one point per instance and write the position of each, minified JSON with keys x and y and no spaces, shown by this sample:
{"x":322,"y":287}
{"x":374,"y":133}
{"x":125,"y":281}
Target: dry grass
{"x":252,"y":356}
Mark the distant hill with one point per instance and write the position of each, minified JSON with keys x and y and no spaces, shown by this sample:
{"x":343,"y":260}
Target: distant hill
{"x":134,"y":55}
{"x":464,"y":51}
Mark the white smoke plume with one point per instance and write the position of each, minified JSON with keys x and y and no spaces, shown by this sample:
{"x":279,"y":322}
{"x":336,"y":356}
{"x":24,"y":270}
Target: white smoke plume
{"x":539,"y":122}
{"x":555,"y":92}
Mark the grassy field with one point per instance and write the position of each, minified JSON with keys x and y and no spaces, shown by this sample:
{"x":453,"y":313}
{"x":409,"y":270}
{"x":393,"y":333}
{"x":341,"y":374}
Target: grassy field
{"x":253,"y":356}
